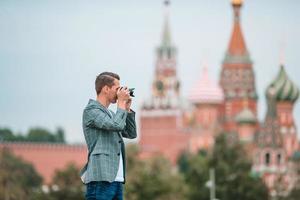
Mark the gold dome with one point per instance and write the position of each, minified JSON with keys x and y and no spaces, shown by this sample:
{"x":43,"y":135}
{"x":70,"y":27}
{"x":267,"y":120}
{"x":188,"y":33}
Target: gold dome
{"x":237,"y":2}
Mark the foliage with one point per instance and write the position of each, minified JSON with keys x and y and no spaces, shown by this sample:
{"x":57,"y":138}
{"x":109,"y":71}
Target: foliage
{"x":34,"y":135}
{"x":294,"y":194}
{"x":153,"y":179}
{"x":18,"y":179}
{"x":234,"y":179}
{"x":66,"y":184}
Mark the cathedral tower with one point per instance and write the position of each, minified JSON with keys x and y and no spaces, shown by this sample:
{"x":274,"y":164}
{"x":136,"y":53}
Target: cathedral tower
{"x":286,"y":93}
{"x":237,"y":76}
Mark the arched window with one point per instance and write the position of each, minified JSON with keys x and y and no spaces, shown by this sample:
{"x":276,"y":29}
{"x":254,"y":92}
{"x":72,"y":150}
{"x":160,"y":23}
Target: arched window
{"x":267,"y":158}
{"x":278,"y":159}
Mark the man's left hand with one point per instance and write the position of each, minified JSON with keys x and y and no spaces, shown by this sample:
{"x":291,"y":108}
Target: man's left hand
{"x":128,"y":104}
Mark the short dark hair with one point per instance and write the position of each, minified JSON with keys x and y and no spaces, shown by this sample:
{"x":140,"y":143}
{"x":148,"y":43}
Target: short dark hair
{"x":105,"y":78}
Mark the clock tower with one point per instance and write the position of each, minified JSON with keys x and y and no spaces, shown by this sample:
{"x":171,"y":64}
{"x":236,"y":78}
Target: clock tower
{"x":161,"y":114}
{"x":165,"y":86}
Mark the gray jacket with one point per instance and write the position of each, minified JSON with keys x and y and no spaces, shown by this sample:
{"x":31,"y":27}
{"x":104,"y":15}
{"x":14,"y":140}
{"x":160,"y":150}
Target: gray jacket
{"x":103,"y":132}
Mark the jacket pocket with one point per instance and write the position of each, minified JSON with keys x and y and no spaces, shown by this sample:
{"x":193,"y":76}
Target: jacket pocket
{"x":100,"y":152}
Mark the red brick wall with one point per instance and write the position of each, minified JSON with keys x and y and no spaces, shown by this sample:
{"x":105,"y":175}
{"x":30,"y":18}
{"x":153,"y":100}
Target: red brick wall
{"x":46,"y":158}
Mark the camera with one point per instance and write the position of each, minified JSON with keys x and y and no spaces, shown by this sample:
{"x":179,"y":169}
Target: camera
{"x":131,"y":90}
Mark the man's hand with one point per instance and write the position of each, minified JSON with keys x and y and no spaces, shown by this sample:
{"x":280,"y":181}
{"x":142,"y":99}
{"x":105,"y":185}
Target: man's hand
{"x":128,"y":104}
{"x":123,"y":97}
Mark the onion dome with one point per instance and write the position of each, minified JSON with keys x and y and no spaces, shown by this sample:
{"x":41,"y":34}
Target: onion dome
{"x":205,"y":90}
{"x":245,"y":116}
{"x":284,"y":89}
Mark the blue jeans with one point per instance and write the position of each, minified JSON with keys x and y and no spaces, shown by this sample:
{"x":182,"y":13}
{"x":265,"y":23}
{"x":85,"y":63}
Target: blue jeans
{"x":103,"y":190}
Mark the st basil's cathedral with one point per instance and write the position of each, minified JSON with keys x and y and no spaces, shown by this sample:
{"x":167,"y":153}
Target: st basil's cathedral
{"x":170,"y":124}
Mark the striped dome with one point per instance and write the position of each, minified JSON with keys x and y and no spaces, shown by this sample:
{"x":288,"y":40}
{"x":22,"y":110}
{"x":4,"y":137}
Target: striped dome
{"x":283,"y":88}
{"x":205,"y":90}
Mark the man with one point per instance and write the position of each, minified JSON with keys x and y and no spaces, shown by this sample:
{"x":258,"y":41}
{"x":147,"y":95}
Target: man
{"x":104,"y":174}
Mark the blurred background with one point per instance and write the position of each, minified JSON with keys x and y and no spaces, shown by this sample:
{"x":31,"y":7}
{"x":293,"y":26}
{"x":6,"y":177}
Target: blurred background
{"x":201,"y":70}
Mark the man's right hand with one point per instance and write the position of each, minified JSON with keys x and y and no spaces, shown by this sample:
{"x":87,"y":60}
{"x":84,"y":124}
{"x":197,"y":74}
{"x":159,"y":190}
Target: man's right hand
{"x":123,"y":97}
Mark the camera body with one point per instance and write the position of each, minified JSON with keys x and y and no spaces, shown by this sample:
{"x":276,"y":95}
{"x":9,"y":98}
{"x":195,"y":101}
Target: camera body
{"x":131,"y":90}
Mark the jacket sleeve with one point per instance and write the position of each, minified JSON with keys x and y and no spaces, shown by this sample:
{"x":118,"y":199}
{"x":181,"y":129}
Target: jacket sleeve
{"x":130,"y":128}
{"x":99,"y":119}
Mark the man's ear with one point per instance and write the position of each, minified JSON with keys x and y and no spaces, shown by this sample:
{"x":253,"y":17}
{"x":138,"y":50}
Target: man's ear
{"x":104,"y":89}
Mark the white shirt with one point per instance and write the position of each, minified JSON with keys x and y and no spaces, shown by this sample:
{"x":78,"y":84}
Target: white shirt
{"x":120,"y":174}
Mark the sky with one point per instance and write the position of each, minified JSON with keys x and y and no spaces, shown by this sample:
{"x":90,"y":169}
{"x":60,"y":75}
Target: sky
{"x":52,"y":51}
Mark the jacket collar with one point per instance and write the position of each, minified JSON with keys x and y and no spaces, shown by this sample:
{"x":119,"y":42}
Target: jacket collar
{"x":97,"y":104}
{"x":94,"y":103}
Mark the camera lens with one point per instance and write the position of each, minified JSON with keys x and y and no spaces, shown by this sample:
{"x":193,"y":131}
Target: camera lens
{"x":131,"y":90}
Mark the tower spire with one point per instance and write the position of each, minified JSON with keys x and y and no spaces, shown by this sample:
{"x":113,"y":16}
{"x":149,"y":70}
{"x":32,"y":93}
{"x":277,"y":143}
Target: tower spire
{"x":282,"y":53}
{"x":166,"y":50}
{"x":237,"y":44}
{"x":166,"y":86}
{"x":237,"y":4}
{"x":166,"y":37}
{"x":237,"y":76}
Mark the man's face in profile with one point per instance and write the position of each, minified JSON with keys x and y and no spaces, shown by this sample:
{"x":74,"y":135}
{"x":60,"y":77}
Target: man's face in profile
{"x":113,"y":91}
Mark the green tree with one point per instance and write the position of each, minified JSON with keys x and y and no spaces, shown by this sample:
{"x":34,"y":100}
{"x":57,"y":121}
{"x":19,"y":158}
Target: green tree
{"x":18,"y":179}
{"x":34,"y":135}
{"x":294,"y":194}
{"x":43,"y":135}
{"x":40,"y":135}
{"x":195,"y":169}
{"x":66,"y":184}
{"x":6,"y":135}
{"x":153,"y":179}
{"x":234,"y":179}
{"x":60,"y":135}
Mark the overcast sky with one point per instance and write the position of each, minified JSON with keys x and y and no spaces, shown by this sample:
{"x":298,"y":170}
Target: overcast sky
{"x":51,"y":51}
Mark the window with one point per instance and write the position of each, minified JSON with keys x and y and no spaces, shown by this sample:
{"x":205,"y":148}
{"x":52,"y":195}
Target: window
{"x":278,"y":159}
{"x":267,"y":158}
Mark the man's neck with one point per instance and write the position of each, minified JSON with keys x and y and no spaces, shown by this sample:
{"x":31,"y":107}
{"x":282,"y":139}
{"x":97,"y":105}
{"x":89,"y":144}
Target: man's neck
{"x":103,"y":101}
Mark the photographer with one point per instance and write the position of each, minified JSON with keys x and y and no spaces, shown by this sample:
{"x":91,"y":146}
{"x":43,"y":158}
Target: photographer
{"x":104,"y":173}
